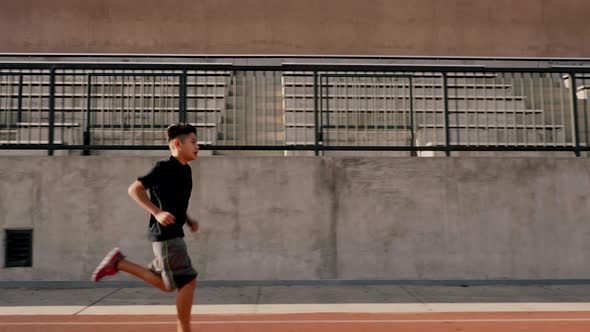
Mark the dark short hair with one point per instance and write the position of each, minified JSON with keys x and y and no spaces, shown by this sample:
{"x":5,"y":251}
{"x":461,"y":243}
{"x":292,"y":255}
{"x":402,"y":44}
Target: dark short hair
{"x":179,"y":130}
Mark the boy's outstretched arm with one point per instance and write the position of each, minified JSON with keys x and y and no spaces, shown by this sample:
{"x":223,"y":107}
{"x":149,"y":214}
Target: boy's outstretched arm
{"x":192,"y":223}
{"x":138,"y":192}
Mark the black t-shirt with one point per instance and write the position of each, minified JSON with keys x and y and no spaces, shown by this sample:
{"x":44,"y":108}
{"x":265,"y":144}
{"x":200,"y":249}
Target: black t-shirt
{"x":170,"y":184}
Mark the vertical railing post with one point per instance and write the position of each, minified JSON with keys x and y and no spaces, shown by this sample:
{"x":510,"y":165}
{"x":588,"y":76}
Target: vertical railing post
{"x":86,"y":138}
{"x":575,"y":124}
{"x":413,"y":153}
{"x":446,"y":114}
{"x":19,"y":114}
{"x":326,"y":114}
{"x":316,"y":113}
{"x":182,"y":98}
{"x":51,"y":111}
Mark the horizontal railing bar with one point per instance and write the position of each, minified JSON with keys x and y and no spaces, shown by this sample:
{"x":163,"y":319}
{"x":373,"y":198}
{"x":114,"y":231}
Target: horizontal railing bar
{"x":290,"y":67}
{"x":308,"y":147}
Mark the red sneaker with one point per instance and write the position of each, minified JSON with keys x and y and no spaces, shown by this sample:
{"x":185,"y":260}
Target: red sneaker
{"x":108,"y":266}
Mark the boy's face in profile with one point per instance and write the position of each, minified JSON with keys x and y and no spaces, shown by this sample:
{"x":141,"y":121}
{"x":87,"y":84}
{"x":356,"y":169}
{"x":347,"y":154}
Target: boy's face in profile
{"x":188,"y":148}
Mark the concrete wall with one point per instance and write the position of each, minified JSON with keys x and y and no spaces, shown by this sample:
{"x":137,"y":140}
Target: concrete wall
{"x":533,"y":28}
{"x":266,"y":218}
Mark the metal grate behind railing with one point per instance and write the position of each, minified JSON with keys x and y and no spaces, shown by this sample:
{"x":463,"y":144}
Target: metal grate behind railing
{"x":317,"y":108}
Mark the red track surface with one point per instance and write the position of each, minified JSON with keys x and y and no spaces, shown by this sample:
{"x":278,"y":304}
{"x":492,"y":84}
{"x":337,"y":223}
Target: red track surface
{"x":439,"y":322}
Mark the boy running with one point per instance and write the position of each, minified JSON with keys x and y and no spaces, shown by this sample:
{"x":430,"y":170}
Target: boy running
{"x":169,"y":183}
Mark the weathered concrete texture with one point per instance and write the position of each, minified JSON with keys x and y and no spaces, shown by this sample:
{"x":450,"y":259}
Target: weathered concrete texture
{"x":499,"y":297}
{"x":533,"y":28}
{"x":266,"y":218}
{"x":465,"y":218}
{"x":263,"y":218}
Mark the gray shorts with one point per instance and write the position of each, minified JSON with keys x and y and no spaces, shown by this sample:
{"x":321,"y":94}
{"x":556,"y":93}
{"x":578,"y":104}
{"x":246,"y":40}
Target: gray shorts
{"x":172,"y":263}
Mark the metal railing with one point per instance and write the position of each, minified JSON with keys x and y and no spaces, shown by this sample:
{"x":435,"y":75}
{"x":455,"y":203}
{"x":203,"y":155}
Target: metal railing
{"x":420,"y":110}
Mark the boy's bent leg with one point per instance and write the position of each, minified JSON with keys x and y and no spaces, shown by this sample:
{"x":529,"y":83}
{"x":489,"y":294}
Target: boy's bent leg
{"x":142,"y":273}
{"x":115,"y":261}
{"x":108,"y":266}
{"x":184,"y":304}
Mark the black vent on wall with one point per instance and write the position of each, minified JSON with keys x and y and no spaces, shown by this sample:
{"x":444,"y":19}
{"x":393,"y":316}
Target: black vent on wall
{"x":19,"y":248}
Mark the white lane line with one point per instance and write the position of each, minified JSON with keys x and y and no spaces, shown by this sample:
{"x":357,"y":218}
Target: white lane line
{"x":297,"y":308}
{"x":318,"y":321}
{"x":39,"y":310}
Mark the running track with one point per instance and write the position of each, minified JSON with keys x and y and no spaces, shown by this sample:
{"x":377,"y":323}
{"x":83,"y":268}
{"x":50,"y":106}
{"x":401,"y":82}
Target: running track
{"x":325,"y":322}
